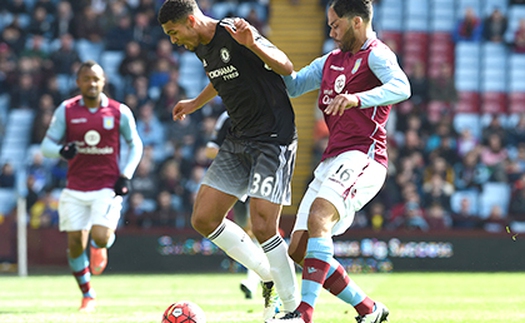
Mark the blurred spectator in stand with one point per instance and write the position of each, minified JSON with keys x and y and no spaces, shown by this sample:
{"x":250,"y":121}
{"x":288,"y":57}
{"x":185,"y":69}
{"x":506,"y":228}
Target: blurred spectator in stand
{"x":151,"y":130}
{"x":42,"y":119}
{"x":437,"y":191}
{"x":165,"y":215}
{"x":15,"y":37}
{"x":66,"y":56}
{"x":466,"y":142}
{"x":164,"y":50}
{"x":516,"y":134}
{"x":494,"y":127}
{"x":412,"y":143}
{"x":517,"y":205}
{"x":419,"y":84}
{"x":52,"y":89}
{"x":44,"y":213}
{"x":192,"y":186}
{"x":118,"y":36}
{"x":496,"y":221}
{"x":469,"y":27}
{"x":7,"y":176}
{"x":437,"y":217}
{"x":145,"y":180}
{"x":442,"y":139}
{"x":49,"y":5}
{"x":24,"y":94}
{"x":40,"y":23}
{"x":170,"y":180}
{"x":31,"y":196}
{"x":465,"y":218}
{"x":134,"y":64}
{"x":495,"y":26}
{"x":159,"y":76}
{"x":110,"y":18}
{"x":38,"y":170}
{"x":519,"y":37}
{"x":63,"y":23}
{"x":171,"y":94}
{"x":470,"y":173}
{"x":412,"y":217}
{"x":494,"y":155}
{"x":144,"y":32}
{"x":17,"y":7}
{"x":440,"y":166}
{"x":253,"y":18}
{"x":90,"y":35}
{"x":377,"y":215}
{"x":442,"y":87}
{"x":135,"y":213}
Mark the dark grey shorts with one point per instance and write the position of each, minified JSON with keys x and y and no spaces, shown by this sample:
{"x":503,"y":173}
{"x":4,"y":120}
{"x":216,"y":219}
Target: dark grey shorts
{"x":252,"y":168}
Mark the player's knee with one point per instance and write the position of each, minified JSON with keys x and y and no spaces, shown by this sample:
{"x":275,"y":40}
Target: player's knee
{"x":203,"y":225}
{"x":263,"y":233}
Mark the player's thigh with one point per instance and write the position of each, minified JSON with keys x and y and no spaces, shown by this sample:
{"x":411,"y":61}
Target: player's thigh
{"x":349,"y":181}
{"x":229,"y":172}
{"x":73,"y":211}
{"x":272,"y":170}
{"x":210,"y":208}
{"x":105,"y":208}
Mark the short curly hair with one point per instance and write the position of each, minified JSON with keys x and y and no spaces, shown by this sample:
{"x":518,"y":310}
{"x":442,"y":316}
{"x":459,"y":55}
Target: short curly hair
{"x":352,"y":8}
{"x":175,"y":10}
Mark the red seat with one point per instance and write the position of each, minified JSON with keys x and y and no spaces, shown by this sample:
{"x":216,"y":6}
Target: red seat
{"x":494,"y":102}
{"x":436,"y":110}
{"x":516,"y":101}
{"x":468,"y":102}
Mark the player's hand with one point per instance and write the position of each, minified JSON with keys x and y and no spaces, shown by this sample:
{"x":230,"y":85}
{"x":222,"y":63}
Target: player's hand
{"x":340,"y":103}
{"x":68,"y":151}
{"x":122,"y":186}
{"x":182,"y":108}
{"x":243,"y":32}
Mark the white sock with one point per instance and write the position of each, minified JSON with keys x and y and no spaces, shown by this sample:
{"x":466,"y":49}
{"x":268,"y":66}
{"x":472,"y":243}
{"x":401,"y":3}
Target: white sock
{"x":283,"y":271}
{"x":252,"y":279}
{"x":233,"y":240}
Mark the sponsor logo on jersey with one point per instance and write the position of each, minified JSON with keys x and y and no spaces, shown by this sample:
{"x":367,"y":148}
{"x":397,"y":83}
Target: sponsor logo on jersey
{"x":337,"y":68}
{"x":225,"y":55}
{"x":204,"y":62}
{"x":109,"y":122}
{"x":227,"y":73}
{"x":78,"y":120}
{"x":340,"y":83}
{"x":92,"y":138}
{"x":356,"y":65}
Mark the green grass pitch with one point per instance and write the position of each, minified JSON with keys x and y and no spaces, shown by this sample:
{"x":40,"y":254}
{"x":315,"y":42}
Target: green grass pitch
{"x":411,"y":297}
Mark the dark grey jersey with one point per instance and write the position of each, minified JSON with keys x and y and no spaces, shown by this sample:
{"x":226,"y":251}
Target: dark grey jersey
{"x":255,"y":96}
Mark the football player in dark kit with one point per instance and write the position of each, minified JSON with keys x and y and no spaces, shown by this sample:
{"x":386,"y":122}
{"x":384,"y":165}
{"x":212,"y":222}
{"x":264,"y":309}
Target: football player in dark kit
{"x":258,"y":155}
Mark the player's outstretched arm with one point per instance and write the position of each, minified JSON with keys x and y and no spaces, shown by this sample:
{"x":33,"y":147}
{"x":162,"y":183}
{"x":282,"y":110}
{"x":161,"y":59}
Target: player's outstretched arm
{"x":245,"y":34}
{"x":184,"y":107}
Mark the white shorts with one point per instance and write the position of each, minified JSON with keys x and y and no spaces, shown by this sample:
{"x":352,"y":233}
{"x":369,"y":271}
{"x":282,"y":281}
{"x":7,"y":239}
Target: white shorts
{"x":348,"y":181}
{"x":80,"y":210}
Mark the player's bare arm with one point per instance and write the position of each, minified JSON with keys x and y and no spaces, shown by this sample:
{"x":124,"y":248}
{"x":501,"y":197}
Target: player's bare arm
{"x":184,"y":107}
{"x":276,"y":59}
{"x":340,"y":103}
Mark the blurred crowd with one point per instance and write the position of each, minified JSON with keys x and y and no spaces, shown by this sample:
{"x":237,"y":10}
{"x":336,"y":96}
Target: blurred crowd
{"x":441,"y":177}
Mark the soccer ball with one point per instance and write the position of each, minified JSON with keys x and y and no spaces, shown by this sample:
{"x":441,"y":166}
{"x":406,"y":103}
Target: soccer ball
{"x":184,"y":312}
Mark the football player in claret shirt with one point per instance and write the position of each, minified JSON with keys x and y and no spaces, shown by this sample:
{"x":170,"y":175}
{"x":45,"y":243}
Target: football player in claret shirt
{"x":357,"y":83}
{"x":258,"y":154}
{"x":86,"y":130}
